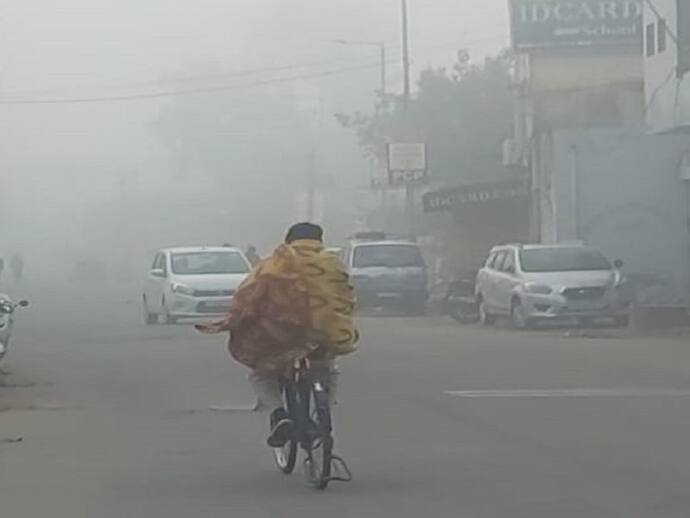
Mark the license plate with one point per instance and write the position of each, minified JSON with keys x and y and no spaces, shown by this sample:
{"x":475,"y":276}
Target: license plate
{"x":584,"y":306}
{"x":217,"y":308}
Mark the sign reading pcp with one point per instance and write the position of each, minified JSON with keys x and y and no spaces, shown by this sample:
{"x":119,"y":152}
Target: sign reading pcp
{"x":576,"y":23}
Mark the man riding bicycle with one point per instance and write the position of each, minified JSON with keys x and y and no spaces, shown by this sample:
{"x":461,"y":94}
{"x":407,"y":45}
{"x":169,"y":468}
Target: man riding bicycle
{"x":297,"y":303}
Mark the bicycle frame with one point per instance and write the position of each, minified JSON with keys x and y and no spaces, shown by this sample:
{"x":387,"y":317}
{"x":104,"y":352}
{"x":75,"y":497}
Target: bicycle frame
{"x":307,"y":400}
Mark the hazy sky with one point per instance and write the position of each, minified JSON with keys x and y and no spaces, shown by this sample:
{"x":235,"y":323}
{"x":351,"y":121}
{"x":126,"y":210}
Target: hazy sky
{"x":70,"y":43}
{"x":84,"y":48}
{"x":71,"y":48}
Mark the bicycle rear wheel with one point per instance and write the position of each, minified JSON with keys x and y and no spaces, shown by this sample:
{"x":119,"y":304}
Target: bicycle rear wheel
{"x":319,"y":448}
{"x":286,"y":457}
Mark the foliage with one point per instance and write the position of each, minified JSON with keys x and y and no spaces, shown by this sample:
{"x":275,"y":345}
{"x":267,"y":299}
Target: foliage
{"x":463,"y":115}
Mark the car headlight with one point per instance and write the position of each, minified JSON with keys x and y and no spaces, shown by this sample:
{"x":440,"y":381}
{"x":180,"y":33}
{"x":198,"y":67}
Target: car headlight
{"x":540,"y":289}
{"x":182,"y":289}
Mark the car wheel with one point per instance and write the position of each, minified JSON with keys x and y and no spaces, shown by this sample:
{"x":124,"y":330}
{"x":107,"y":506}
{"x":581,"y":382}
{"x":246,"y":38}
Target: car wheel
{"x":519,"y":318}
{"x":150,"y":319}
{"x":170,"y":320}
{"x":167,"y":317}
{"x":485,"y":318}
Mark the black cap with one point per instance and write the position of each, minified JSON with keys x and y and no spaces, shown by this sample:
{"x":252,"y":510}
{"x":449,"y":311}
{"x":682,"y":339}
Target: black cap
{"x":304,"y":231}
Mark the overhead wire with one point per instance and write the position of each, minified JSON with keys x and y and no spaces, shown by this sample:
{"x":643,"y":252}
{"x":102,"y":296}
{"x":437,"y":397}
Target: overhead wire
{"x":188,"y":91}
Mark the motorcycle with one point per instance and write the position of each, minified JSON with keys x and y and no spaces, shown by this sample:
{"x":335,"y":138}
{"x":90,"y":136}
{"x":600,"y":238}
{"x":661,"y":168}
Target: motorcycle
{"x":7,"y":310}
{"x":461,"y":303}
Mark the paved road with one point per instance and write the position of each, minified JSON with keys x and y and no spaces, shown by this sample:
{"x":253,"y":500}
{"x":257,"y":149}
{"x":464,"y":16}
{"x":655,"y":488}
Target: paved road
{"x":116,"y":421}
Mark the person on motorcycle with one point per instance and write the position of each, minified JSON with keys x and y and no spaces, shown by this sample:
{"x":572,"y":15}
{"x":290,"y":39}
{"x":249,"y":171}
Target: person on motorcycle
{"x":295,"y":304}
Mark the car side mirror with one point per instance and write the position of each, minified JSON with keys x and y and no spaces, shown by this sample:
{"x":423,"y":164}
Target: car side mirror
{"x":618,"y":263}
{"x":157,"y":272}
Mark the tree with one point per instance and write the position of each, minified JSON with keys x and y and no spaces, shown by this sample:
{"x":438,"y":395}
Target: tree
{"x":463,"y":115}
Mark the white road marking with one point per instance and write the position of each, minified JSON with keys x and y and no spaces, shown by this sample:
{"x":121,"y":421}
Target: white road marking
{"x":570,"y":393}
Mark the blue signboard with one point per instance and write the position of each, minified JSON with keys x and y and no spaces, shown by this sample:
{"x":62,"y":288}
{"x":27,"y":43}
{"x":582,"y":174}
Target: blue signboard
{"x":576,"y":23}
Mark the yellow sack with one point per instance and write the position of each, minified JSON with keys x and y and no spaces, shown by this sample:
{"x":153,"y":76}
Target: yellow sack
{"x":331,"y":296}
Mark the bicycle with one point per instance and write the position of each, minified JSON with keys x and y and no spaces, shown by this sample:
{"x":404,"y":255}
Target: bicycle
{"x":306,"y":395}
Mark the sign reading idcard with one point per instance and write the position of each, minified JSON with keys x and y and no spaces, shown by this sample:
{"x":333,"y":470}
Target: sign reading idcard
{"x":576,"y":23}
{"x":407,"y":163}
{"x":450,"y":199}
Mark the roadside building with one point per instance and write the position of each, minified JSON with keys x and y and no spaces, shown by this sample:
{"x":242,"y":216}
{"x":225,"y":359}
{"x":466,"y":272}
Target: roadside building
{"x":597,"y":172}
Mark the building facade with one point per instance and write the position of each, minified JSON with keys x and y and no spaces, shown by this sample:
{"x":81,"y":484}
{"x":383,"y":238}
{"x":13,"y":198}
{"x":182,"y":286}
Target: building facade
{"x":597,"y":174}
{"x":667,"y":65}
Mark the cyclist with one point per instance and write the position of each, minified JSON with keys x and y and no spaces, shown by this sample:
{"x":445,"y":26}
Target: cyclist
{"x":295,"y":303}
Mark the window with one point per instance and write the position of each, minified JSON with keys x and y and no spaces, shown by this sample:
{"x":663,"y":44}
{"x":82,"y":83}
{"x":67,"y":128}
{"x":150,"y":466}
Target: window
{"x":209,"y":263}
{"x":387,"y":256}
{"x":498,"y":262}
{"x":509,"y":263}
{"x":563,"y":260}
{"x":162,"y":263}
{"x":650,"y":39}
{"x":490,"y":260}
{"x":661,"y":36}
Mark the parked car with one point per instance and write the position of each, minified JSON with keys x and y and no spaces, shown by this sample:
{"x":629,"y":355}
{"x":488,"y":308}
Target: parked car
{"x":7,"y":310}
{"x":387,"y":272}
{"x":335,"y":250}
{"x":532,"y":283}
{"x":192,"y":282}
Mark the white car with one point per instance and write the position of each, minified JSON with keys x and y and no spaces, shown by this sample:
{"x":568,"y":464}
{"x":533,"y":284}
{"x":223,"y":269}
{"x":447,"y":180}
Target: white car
{"x":192,"y":282}
{"x":532,"y":283}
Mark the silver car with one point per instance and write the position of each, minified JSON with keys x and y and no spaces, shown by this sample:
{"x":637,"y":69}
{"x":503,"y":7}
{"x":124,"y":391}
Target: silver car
{"x":387,"y":272}
{"x":192,"y":282}
{"x":531,"y":283}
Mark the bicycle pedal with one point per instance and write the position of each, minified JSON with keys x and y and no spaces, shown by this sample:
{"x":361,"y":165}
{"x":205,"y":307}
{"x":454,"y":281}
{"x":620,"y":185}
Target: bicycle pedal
{"x":341,"y":472}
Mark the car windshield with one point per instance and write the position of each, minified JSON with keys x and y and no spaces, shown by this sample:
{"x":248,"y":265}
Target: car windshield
{"x":208,"y":263}
{"x":390,"y":256}
{"x":563,"y":260}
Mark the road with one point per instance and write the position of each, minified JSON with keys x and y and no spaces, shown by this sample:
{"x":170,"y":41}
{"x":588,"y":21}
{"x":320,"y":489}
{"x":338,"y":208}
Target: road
{"x":435,"y":419}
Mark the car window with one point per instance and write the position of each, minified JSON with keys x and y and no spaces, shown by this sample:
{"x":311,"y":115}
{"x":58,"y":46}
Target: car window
{"x":490,"y":260}
{"x":509,"y":262}
{"x":563,"y":260}
{"x":208,"y":263}
{"x":387,"y":256}
{"x":155,"y":262}
{"x":159,"y":263}
{"x":498,"y":261}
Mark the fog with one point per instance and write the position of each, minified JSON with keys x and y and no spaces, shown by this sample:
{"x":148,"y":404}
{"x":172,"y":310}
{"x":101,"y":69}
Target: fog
{"x":111,"y":180}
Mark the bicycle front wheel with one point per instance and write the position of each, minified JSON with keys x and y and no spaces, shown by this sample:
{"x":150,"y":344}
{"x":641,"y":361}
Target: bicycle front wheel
{"x":286,"y":457}
{"x":320,"y":445}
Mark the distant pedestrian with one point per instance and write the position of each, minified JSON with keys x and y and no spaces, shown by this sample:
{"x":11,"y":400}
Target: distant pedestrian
{"x":252,"y":256}
{"x":17,"y":266}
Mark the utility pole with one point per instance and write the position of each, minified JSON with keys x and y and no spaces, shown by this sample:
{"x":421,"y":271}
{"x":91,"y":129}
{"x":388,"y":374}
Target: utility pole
{"x":382,"y":53}
{"x":405,"y":52}
{"x":409,"y":187}
{"x":311,"y":185}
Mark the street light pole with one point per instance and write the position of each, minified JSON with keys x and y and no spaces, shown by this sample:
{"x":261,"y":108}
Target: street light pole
{"x":409,"y":187}
{"x":382,"y":50}
{"x":382,"y":55}
{"x":405,"y":52}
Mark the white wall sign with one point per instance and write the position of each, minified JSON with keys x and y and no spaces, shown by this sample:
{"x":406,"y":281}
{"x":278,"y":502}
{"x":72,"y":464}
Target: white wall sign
{"x":407,"y":163}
